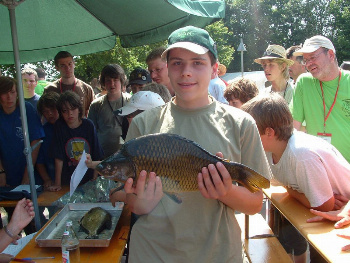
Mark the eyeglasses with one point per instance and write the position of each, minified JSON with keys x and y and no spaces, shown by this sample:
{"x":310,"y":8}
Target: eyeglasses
{"x":313,"y":58}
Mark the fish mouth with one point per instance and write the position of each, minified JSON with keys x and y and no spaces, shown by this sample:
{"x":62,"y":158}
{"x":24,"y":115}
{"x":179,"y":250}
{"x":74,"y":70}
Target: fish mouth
{"x":116,"y":173}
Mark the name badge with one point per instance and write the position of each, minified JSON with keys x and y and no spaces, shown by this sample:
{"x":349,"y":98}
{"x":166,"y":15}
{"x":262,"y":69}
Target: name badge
{"x":325,"y":136}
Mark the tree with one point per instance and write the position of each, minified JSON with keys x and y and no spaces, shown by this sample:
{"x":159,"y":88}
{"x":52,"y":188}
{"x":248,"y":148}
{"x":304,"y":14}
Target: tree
{"x":90,"y":66}
{"x":286,"y":22}
{"x":222,"y":36}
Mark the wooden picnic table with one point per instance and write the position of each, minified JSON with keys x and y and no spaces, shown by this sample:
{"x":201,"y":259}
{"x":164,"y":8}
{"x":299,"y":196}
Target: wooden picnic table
{"x":45,"y":198}
{"x":321,"y":235}
{"x":112,"y":253}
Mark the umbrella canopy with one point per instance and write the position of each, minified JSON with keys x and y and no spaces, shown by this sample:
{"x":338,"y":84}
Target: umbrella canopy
{"x":36,"y":30}
{"x":143,"y":22}
{"x":88,"y":26}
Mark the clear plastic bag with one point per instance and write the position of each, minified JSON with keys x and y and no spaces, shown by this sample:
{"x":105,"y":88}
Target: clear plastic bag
{"x":92,"y":192}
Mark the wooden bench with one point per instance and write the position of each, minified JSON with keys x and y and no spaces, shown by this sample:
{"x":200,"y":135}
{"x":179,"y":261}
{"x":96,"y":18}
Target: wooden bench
{"x":260,"y":245}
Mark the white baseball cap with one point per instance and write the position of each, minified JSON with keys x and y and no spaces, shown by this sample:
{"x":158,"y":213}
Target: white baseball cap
{"x":142,"y":100}
{"x":314,"y":43}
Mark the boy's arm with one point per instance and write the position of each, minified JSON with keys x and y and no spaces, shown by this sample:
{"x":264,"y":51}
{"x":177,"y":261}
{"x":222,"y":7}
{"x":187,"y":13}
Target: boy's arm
{"x":40,"y":167}
{"x":297,"y":125}
{"x":326,"y":206}
{"x":58,"y":173}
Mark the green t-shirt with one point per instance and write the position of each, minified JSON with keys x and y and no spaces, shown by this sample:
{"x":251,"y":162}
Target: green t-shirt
{"x":198,"y":229}
{"x":39,"y":88}
{"x":308,"y":106}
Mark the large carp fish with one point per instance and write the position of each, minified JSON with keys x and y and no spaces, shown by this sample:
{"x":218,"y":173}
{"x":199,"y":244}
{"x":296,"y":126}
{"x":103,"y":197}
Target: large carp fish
{"x":176,"y":160}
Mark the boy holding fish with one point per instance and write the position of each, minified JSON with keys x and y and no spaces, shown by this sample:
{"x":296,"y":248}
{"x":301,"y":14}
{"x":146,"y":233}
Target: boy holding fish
{"x":203,"y":228}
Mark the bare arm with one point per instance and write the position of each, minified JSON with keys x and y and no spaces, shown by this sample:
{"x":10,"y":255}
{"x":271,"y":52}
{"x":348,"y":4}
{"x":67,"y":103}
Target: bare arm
{"x":58,"y":174}
{"x":40,"y":167}
{"x":326,"y":206}
{"x":297,"y":125}
{"x":22,"y":215}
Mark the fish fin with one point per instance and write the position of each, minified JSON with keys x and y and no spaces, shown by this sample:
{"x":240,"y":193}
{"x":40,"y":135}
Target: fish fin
{"x":175,"y":197}
{"x":252,"y":180}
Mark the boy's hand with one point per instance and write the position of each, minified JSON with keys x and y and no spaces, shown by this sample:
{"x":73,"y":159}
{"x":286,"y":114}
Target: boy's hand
{"x":144,"y":197}
{"x":5,"y":258}
{"x":47,"y":184}
{"x":211,"y":184}
{"x":347,"y":236}
{"x":88,"y":161}
{"x":342,"y":216}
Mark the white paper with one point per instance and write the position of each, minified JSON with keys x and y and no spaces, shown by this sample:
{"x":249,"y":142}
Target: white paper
{"x":25,"y":187}
{"x":78,"y":173}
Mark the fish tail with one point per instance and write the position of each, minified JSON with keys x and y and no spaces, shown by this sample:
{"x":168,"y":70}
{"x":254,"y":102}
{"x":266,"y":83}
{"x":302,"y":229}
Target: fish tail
{"x":249,"y":178}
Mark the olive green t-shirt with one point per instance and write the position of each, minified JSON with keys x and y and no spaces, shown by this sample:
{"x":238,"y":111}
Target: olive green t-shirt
{"x":198,"y":229}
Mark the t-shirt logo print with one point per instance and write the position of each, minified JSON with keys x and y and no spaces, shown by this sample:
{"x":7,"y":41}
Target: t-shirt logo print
{"x":19,"y":133}
{"x":74,"y":149}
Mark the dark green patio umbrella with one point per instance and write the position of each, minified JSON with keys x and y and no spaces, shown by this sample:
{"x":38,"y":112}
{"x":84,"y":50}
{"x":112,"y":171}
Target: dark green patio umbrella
{"x":45,"y":27}
{"x":36,"y":30}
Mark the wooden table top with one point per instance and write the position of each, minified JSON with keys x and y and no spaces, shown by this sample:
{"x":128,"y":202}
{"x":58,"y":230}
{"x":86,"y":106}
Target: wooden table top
{"x":112,"y":253}
{"x":46,"y":198}
{"x":321,"y":235}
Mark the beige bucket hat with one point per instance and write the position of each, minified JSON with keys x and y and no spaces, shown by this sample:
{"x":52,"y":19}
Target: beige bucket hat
{"x":275,"y":52}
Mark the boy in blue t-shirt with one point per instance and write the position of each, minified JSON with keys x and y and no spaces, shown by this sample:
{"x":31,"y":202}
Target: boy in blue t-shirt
{"x":13,"y":165}
{"x":45,"y":164}
{"x":72,"y":135}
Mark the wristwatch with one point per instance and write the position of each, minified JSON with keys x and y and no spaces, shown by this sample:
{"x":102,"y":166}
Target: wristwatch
{"x":2,"y":171}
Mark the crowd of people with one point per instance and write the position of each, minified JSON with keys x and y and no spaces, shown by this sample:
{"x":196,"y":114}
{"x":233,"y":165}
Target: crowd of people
{"x":182,"y":92}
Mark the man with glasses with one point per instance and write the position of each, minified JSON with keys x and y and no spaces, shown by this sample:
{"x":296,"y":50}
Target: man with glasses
{"x":322,"y":96}
{"x":64,"y":63}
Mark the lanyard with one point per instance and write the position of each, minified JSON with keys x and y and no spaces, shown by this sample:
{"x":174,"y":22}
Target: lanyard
{"x":75,"y":83}
{"x":324,"y":103}
{"x":110,"y":106}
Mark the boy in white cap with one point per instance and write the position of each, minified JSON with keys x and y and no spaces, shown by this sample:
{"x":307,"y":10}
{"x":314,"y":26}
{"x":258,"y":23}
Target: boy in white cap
{"x":139,"y":102}
{"x":322,"y":96}
{"x":203,"y":228}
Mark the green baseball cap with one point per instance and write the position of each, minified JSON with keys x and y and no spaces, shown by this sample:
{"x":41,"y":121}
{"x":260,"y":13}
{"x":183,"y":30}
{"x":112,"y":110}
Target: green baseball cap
{"x":193,"y":39}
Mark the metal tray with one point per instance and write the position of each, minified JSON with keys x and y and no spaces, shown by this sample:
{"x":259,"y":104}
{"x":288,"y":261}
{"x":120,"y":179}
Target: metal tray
{"x":51,"y":235}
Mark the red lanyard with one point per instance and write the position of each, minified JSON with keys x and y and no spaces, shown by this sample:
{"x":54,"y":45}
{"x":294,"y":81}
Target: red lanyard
{"x":324,"y":104}
{"x":75,"y":82}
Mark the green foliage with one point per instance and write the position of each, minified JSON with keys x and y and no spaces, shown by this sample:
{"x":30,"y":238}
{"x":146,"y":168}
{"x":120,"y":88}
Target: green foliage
{"x":90,"y":66}
{"x":222,"y":37}
{"x":287,"y":23}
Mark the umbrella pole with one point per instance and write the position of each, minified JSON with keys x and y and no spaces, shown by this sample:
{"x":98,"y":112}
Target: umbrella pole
{"x":27,"y":148}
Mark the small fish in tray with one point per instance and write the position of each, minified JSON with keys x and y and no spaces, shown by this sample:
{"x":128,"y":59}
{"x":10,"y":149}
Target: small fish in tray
{"x":95,"y":221}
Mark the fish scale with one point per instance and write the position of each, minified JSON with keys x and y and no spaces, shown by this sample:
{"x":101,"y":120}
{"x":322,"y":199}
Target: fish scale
{"x":176,"y":160}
